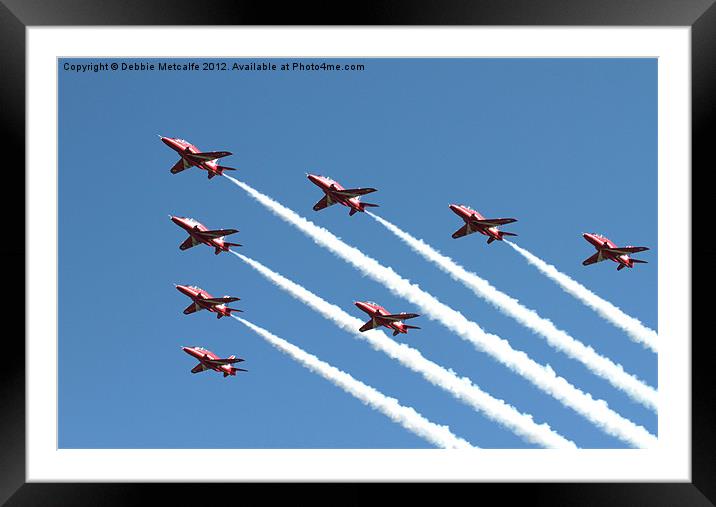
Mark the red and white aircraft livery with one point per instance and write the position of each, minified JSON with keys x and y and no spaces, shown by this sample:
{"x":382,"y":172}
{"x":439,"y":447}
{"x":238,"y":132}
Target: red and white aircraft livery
{"x":198,"y":233}
{"x":210,"y":361}
{"x":606,"y":249}
{"x":474,"y":222}
{"x":202,"y":300}
{"x":379,"y":316}
{"x":335,"y":193}
{"x":191,"y":156}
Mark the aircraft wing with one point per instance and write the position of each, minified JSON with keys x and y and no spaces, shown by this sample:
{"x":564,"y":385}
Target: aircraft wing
{"x":218,"y":233}
{"x":323,"y":203}
{"x":492,"y":222}
{"x":208,"y":155}
{"x":593,"y":259}
{"x":626,"y":249}
{"x":199,"y":368}
{"x":399,"y":316}
{"x":180,"y":166}
{"x":220,"y":301}
{"x":188,"y":243}
{"x":371,"y":324}
{"x":219,"y":362}
{"x":191,"y":308}
{"x":354,"y":192}
{"x":462,"y":231}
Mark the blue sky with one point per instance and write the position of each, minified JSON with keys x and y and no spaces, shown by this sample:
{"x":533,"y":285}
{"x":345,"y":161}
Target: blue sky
{"x":565,"y":146}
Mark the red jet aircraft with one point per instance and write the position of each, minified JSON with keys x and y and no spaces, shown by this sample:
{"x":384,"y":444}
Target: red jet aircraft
{"x":606,"y":249}
{"x":202,"y":300}
{"x":191,"y":156}
{"x":335,"y":193}
{"x":198,"y":233}
{"x":379,"y":316}
{"x":210,"y":361}
{"x":474,"y":222}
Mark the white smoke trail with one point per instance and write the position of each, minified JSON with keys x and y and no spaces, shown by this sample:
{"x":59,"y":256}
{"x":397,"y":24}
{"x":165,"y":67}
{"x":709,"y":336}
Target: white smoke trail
{"x":596,"y":411}
{"x":407,"y":417}
{"x":633,"y":327}
{"x":461,"y":388}
{"x":560,"y":340}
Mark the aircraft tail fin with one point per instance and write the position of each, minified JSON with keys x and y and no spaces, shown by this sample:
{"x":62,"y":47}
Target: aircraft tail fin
{"x":638,"y":261}
{"x":411,"y":327}
{"x":620,"y":267}
{"x":395,"y":333}
{"x":362,"y":206}
{"x":490,"y":240}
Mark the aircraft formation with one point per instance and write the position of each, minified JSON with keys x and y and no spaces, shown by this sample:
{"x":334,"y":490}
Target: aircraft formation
{"x":334,"y":193}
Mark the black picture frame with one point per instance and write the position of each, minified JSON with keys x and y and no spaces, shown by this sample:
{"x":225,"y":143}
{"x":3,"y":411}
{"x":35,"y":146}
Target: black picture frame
{"x":16,"y":15}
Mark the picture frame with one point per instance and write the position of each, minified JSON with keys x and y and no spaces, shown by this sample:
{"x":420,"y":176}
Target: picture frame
{"x":15,"y":16}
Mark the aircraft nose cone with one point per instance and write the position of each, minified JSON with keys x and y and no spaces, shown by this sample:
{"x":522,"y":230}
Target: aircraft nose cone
{"x":312,"y":177}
